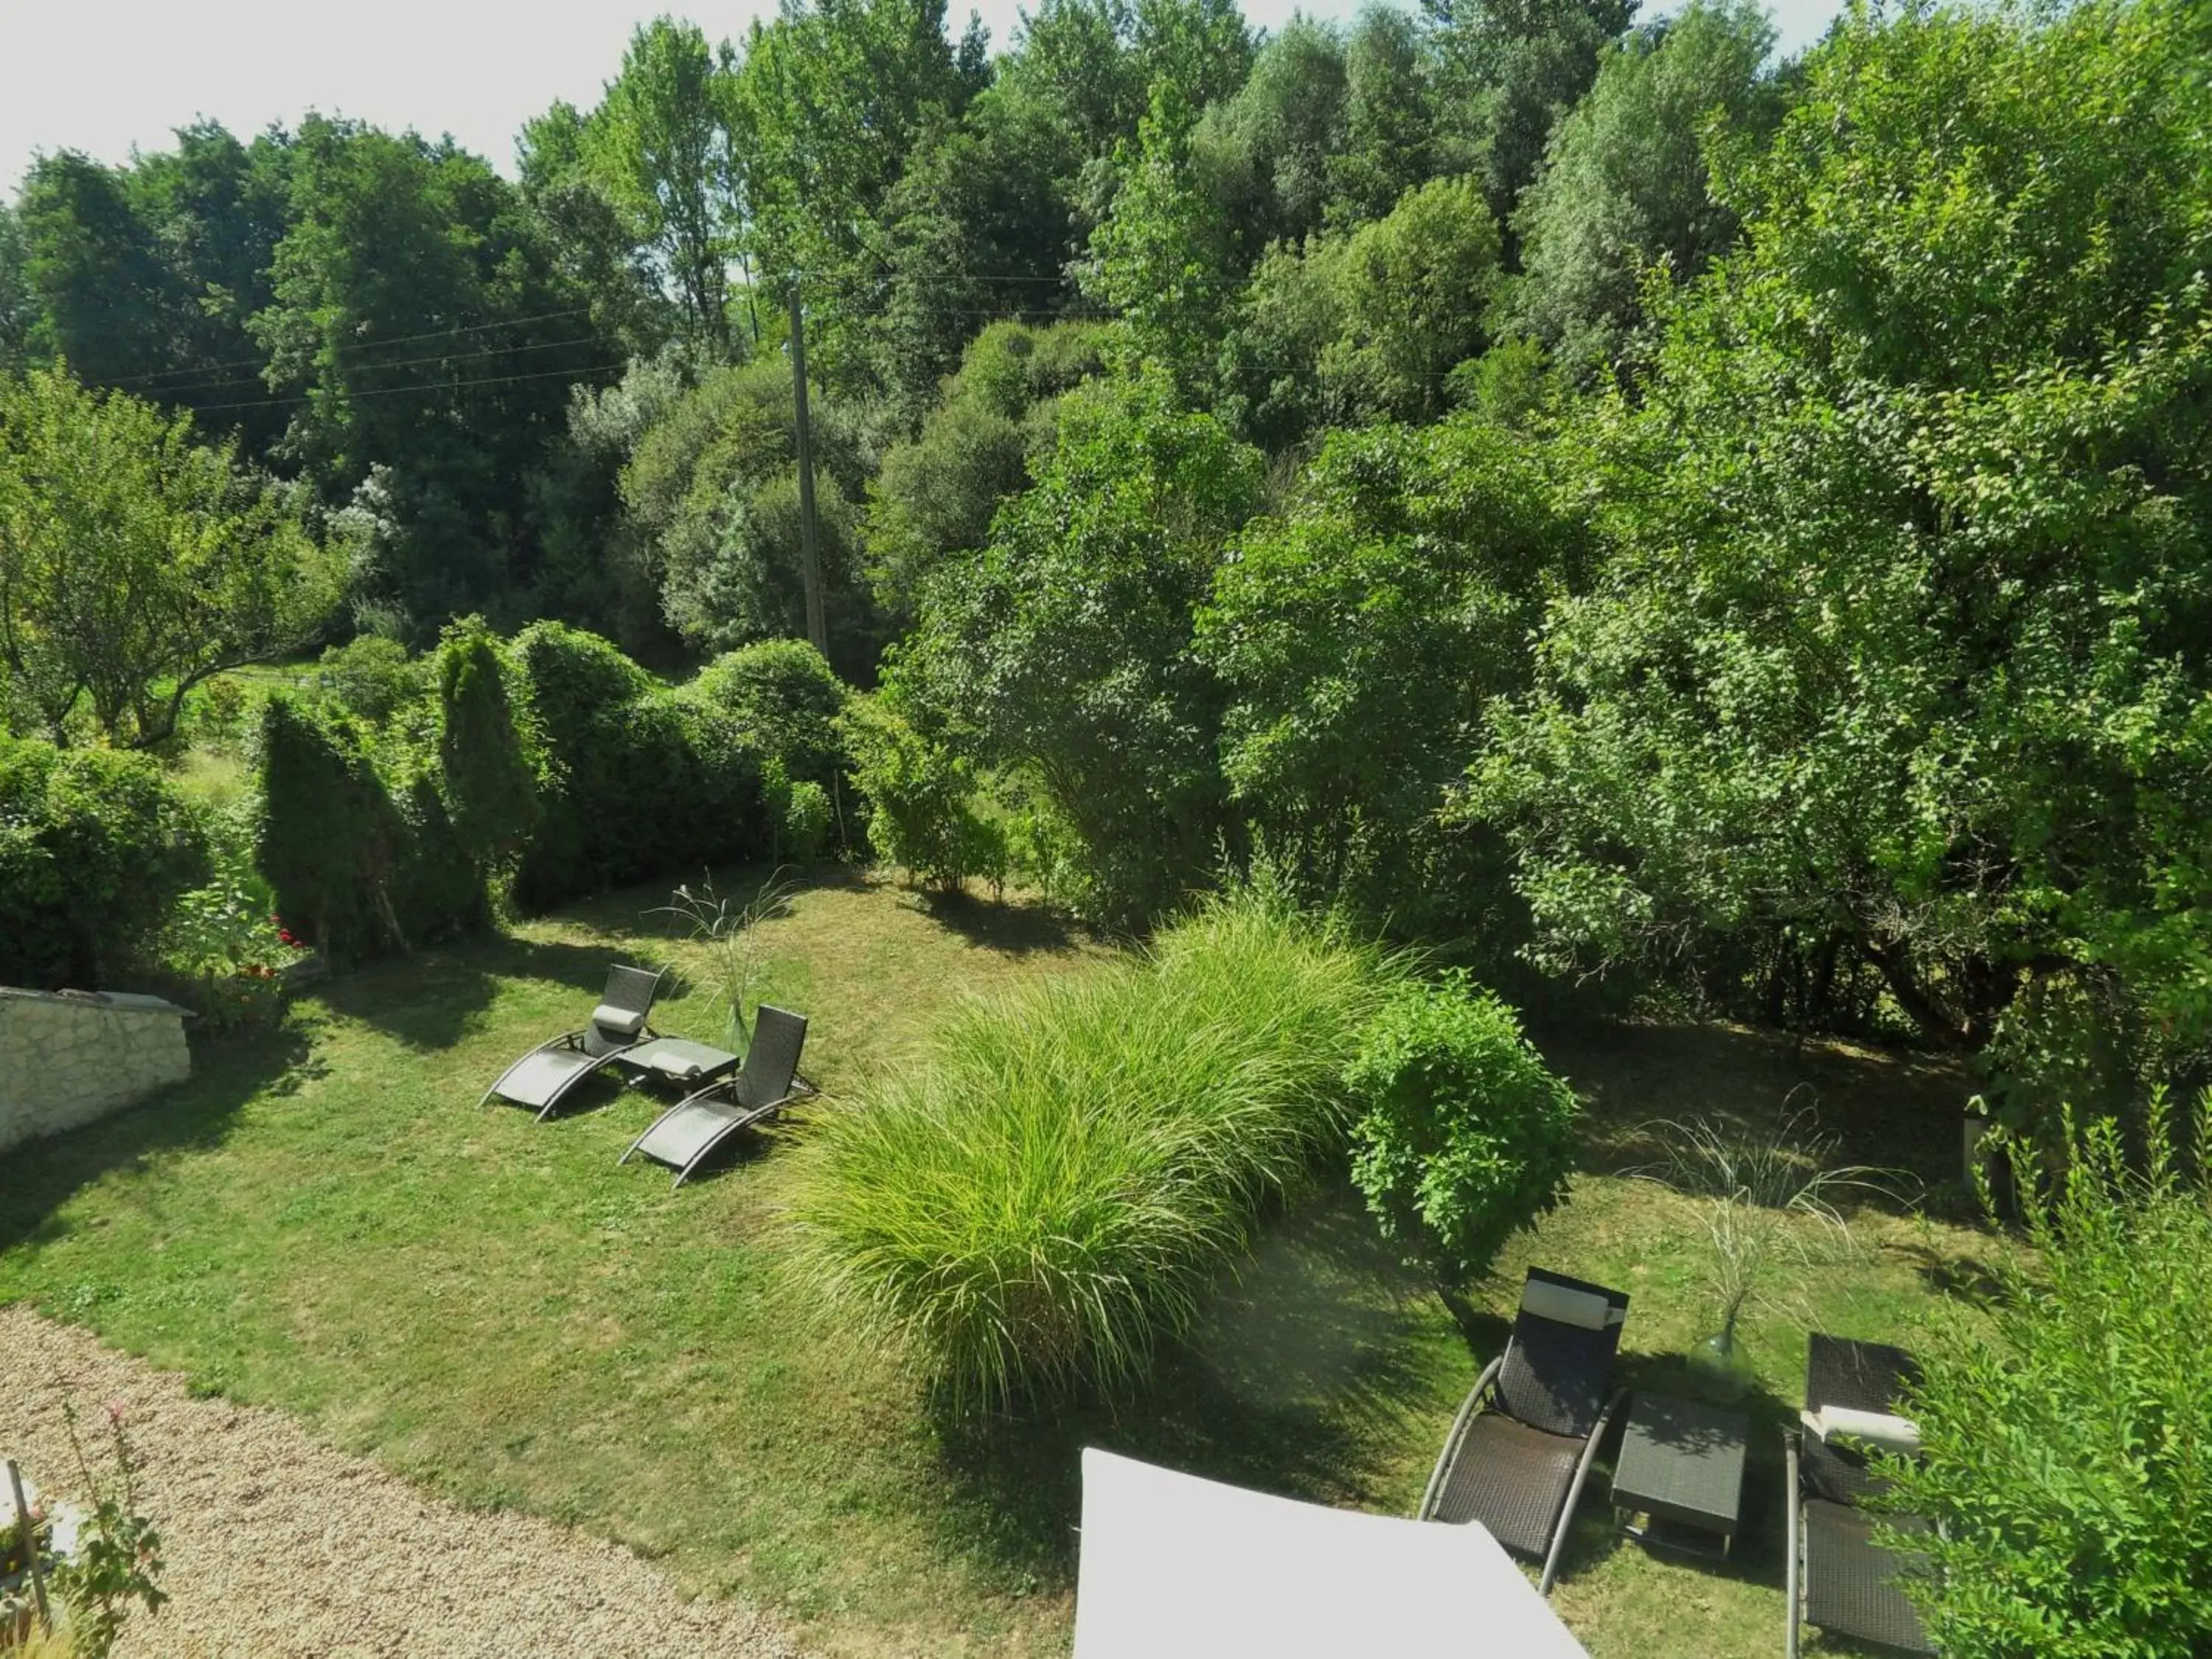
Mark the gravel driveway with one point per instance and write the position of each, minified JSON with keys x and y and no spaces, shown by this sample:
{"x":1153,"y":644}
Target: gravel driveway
{"x":278,"y":1545}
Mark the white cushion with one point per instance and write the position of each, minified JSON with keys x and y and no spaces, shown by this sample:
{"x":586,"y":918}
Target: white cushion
{"x":618,"y":1019}
{"x":1584,"y":1309}
{"x":1880,"y":1429}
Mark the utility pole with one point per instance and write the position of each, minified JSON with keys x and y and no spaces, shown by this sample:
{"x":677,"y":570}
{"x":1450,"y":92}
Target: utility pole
{"x":810,"y":554}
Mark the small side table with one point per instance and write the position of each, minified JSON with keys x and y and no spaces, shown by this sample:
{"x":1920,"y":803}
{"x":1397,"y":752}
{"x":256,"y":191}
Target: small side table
{"x":678,"y":1061}
{"x":1681,"y":1470}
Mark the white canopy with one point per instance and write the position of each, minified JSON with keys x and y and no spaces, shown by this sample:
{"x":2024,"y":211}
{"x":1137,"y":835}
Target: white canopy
{"x":1175,"y":1567}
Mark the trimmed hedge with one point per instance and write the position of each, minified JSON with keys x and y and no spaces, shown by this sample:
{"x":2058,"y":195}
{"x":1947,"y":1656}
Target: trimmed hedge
{"x":94,"y":848}
{"x":638,"y":779}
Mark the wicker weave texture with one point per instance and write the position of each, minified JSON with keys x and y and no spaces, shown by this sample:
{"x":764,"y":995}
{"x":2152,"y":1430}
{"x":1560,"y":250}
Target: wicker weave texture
{"x":1512,"y":1479}
{"x":1851,"y":1585}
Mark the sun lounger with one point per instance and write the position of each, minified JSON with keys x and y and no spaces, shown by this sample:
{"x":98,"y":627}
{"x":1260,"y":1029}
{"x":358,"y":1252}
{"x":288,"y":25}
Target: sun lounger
{"x":685,"y":1135}
{"x":542,"y":1077}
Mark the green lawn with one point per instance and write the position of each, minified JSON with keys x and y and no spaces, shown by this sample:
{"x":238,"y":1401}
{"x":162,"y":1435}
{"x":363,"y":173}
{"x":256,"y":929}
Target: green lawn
{"x":324,"y":1220}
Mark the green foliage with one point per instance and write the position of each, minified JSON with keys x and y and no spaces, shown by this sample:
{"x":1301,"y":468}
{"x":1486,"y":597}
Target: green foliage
{"x":1066,"y":647}
{"x":134,"y":563}
{"x":1895,"y":666}
{"x":1463,"y":1136}
{"x":119,"y":1557}
{"x":372,"y":677}
{"x":94,"y":847}
{"x":2064,"y":1435}
{"x":637,"y":780}
{"x":921,"y":794}
{"x":485,"y":761}
{"x":1036,"y":1205}
{"x":223,"y":937}
{"x":787,"y":701}
{"x":1358,"y":633}
{"x":1625,"y":182}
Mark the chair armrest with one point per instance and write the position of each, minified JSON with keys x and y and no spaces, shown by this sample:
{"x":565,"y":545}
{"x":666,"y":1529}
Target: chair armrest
{"x":1565,"y":1522}
{"x":1790,"y":1570}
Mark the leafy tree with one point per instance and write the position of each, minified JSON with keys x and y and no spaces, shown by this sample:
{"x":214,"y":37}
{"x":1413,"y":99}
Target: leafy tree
{"x":1201,"y":48}
{"x":593,"y":242}
{"x":1263,"y":154}
{"x":1625,"y":183}
{"x":935,"y":497}
{"x":1507,"y":70}
{"x":1162,"y":256}
{"x":1367,"y":325}
{"x":1897,"y":658}
{"x":18,"y":313}
{"x":661,"y":146}
{"x":104,"y":299}
{"x":1389,"y":117}
{"x":1067,"y":645}
{"x":2064,"y":1433}
{"x":787,"y":699}
{"x":1359,"y":634}
{"x":135,"y":563}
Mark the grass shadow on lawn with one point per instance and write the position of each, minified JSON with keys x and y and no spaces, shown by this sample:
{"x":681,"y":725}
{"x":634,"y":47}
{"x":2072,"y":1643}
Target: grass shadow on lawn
{"x":1304,"y":1378}
{"x":1006,"y":928}
{"x":198,"y":1114}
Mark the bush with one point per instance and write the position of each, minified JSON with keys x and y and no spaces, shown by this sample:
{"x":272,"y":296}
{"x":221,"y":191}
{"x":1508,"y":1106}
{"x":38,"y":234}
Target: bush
{"x":484,"y":752}
{"x":1463,"y":1135}
{"x":786,"y":699}
{"x":920,"y":794}
{"x":2065,"y":1436}
{"x":371,"y":677}
{"x":94,"y":847}
{"x":1040,"y":1204}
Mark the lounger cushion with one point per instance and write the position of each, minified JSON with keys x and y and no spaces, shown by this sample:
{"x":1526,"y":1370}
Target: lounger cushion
{"x":626,"y":1021}
{"x":1584,"y":1309}
{"x":1511,"y":1478}
{"x":1882,"y":1430}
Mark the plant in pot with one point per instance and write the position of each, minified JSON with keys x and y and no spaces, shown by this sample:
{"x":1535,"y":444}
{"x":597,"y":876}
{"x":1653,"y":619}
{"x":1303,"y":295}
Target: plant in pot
{"x":1768,"y":1203}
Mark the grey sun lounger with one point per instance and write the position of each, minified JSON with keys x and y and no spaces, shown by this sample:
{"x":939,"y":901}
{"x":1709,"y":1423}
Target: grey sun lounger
{"x":543,"y":1077}
{"x":1522,"y":1446}
{"x":1838,"y":1578}
{"x":685,"y":1135}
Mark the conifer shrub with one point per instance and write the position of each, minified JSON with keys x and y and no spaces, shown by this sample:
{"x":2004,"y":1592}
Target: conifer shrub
{"x":485,"y":751}
{"x":1039,"y":1205}
{"x":94,"y":848}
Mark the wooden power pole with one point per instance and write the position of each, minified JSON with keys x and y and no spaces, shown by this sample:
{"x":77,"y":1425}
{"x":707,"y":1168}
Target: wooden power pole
{"x":810,"y":552}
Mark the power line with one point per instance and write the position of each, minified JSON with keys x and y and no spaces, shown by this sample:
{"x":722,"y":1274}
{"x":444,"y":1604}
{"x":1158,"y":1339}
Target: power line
{"x":396,"y":362}
{"x":421,"y":386}
{"x":363,"y":345}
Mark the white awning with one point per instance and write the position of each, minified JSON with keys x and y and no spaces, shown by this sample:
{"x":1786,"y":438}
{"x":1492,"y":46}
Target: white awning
{"x":1175,"y":1567}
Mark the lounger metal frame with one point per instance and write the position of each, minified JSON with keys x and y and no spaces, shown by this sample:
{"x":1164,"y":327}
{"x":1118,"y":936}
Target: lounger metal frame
{"x":1485,"y":1393}
{"x":748,"y":1115}
{"x":622,"y":983}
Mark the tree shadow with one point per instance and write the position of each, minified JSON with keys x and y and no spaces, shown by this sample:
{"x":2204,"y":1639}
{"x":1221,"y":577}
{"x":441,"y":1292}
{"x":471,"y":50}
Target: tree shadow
{"x":1893,"y":1110}
{"x":197,"y":1114}
{"x":428,"y":1000}
{"x":1009,"y":929}
{"x":1292,"y":1377}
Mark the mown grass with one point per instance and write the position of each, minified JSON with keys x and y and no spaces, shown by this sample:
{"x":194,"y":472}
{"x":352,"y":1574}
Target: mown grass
{"x":1042,"y":1199}
{"x":324,"y":1221}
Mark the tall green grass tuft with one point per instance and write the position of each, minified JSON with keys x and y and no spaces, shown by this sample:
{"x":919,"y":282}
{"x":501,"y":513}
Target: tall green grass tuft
{"x":1037,"y":1204}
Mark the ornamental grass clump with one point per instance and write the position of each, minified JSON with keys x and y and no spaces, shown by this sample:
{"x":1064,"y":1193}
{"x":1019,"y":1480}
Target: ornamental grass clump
{"x":1038,"y":1205}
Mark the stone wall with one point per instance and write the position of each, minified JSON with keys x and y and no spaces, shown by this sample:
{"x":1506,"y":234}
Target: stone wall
{"x":67,"y":1057}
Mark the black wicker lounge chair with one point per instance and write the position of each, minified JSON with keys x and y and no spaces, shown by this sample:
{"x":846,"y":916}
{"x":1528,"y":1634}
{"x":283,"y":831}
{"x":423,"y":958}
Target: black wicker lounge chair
{"x":1838,"y":1578}
{"x":687,"y":1133}
{"x":542,"y":1077}
{"x":1521,"y":1447}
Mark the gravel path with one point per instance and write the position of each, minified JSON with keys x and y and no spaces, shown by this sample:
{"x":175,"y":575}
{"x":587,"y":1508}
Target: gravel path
{"x":278,"y":1545}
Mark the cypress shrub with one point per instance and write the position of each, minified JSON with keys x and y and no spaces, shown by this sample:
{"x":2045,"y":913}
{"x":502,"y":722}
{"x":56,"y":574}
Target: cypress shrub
{"x":484,"y":751}
{"x":95,"y":849}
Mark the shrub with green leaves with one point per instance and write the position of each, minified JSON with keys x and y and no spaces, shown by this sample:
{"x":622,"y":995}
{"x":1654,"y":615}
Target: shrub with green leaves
{"x":94,"y":847}
{"x":484,"y":749}
{"x":1041,"y":1202}
{"x":2068,"y":1437}
{"x":1464,"y":1135}
{"x":371,"y":677}
{"x":921,"y":794}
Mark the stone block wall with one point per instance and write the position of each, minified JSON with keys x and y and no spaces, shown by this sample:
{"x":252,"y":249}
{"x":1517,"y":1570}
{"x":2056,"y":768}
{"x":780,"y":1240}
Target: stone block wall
{"x":68,"y":1057}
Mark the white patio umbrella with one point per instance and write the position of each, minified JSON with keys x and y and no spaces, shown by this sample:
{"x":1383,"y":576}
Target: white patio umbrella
{"x":1175,"y":1567}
